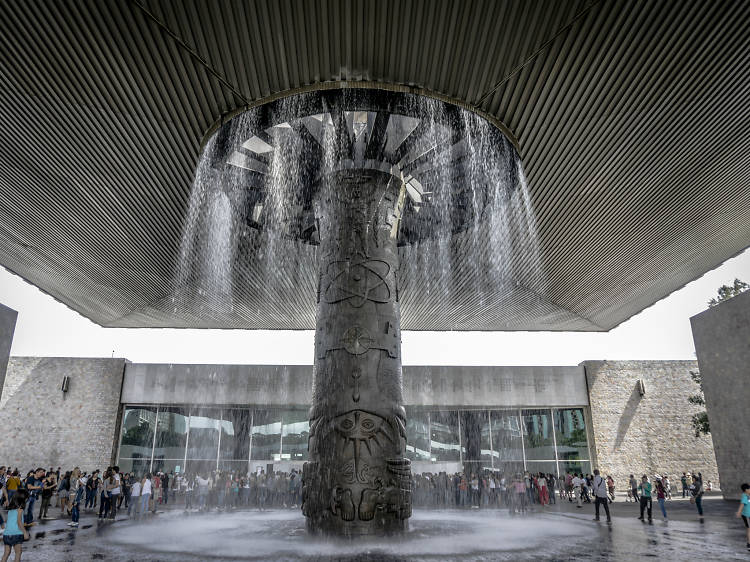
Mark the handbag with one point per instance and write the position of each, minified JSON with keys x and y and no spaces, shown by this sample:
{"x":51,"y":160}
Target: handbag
{"x":692,"y":499}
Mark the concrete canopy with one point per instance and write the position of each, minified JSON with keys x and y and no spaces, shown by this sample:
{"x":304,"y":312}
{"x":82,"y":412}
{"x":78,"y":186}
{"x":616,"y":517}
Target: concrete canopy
{"x":631,"y":119}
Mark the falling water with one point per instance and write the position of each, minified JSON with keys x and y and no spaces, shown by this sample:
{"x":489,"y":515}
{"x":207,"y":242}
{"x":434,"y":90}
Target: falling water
{"x":468,"y":234}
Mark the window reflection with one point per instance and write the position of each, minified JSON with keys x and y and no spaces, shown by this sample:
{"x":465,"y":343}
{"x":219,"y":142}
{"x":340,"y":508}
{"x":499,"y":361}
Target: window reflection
{"x":235,"y":434}
{"x":537,"y":434}
{"x":171,"y":433}
{"x":575,"y":467}
{"x":445,"y":443}
{"x":295,"y":430}
{"x":417,"y":436}
{"x":266,"y":442}
{"x":506,"y":435}
{"x":570,"y":432}
{"x":138,"y":426}
{"x":203,"y":442}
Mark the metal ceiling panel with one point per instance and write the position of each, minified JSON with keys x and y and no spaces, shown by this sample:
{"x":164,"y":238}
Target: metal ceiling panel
{"x":631,"y":118}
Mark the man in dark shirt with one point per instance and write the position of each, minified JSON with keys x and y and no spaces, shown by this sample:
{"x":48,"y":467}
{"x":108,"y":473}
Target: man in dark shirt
{"x":165,"y":487}
{"x":34,"y":486}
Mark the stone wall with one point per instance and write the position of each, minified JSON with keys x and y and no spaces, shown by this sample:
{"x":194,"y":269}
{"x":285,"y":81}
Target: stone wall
{"x":42,"y":426}
{"x":649,"y":434}
{"x":722,"y":342}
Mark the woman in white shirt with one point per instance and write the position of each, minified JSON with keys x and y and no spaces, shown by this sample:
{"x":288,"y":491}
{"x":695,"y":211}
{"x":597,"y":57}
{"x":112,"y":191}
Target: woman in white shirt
{"x":145,"y":492}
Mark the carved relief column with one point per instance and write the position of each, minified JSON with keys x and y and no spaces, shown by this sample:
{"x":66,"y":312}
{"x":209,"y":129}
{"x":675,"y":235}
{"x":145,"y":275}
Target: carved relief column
{"x":358,"y":481}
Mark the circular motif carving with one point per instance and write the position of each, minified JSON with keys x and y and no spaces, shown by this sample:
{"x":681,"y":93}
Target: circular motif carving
{"x":357,"y":340}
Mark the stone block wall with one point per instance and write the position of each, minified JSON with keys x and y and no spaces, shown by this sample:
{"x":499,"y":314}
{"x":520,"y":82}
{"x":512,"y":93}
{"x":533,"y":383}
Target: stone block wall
{"x":649,"y":434}
{"x":42,"y":426}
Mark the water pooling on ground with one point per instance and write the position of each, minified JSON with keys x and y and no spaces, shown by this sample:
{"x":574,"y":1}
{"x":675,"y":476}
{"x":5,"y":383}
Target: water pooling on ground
{"x":435,"y":535}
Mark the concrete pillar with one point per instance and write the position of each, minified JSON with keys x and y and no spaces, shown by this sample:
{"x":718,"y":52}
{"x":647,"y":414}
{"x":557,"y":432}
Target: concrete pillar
{"x":358,"y":481}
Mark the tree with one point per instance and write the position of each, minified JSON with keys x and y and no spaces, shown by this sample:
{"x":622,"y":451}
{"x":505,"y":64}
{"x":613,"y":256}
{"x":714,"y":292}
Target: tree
{"x":700,"y":420}
{"x":726,"y":292}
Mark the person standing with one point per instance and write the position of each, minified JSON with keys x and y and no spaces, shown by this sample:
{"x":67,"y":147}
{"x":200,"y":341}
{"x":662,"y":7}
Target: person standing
{"x":744,"y":510}
{"x":600,"y":495}
{"x":697,"y":491}
{"x":543,"y":490}
{"x":667,"y":488}
{"x":645,"y":499}
{"x":76,"y":511}
{"x":661,"y":496}
{"x":13,"y":483}
{"x":165,"y":487}
{"x":145,"y":492}
{"x":634,"y":488}
{"x":15,"y":530}
{"x":578,"y":490}
{"x":683,"y":480}
{"x":135,"y":496}
{"x":49,"y":485}
{"x":115,"y":492}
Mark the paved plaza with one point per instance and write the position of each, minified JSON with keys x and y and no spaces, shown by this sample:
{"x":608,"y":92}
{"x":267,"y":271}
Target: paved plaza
{"x":562,"y":532}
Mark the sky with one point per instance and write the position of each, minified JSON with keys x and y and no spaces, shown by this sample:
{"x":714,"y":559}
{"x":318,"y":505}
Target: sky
{"x":48,"y":328}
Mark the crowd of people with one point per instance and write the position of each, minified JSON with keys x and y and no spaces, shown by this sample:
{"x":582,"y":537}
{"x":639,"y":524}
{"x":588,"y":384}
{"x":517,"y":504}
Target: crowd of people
{"x":105,"y":493}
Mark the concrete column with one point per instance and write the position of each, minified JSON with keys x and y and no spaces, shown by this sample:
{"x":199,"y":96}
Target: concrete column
{"x":357,"y":481}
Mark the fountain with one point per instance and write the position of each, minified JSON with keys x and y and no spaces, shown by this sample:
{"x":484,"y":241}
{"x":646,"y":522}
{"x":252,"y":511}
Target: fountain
{"x":368,"y":185}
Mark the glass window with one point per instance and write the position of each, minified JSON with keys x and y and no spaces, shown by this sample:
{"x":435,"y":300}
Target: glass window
{"x":475,"y":436}
{"x":547,"y":467}
{"x":203,"y":442}
{"x":202,"y":467}
{"x":508,"y":468}
{"x":139,"y":467}
{"x":417,"y":436}
{"x":239,"y":468}
{"x":537,"y":434}
{"x":266,"y":443}
{"x":575,"y":467}
{"x":171,"y":433}
{"x":506,"y":435}
{"x":295,"y":429}
{"x":445,"y":444}
{"x":235,"y":434}
{"x":167,"y":465}
{"x":138,"y":425}
{"x":570,"y":432}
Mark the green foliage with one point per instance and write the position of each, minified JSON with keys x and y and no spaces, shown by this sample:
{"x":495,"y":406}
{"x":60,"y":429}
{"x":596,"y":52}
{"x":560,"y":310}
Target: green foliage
{"x":699,"y":420}
{"x":700,"y":424}
{"x":726,"y":292}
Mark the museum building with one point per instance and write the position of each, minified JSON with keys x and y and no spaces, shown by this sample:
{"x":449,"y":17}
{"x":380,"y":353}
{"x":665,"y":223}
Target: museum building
{"x":622,"y":417}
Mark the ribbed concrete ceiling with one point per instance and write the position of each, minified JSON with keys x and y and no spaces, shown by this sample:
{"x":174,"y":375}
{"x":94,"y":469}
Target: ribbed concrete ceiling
{"x":631,"y":118}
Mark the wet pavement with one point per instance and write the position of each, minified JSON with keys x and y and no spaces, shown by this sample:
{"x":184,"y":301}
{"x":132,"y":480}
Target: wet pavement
{"x":561,"y":532}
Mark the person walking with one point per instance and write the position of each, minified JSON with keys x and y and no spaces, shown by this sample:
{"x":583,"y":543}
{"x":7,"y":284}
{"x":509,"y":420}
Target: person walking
{"x":611,"y":488}
{"x":34,"y":487}
{"x":744,"y":510}
{"x":697,"y":494}
{"x":600,"y":496}
{"x":578,"y":490}
{"x":661,"y":496}
{"x":645,"y":499}
{"x":634,"y":488}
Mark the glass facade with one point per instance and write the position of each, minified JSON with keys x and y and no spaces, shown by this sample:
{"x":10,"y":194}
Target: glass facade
{"x":199,"y":439}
